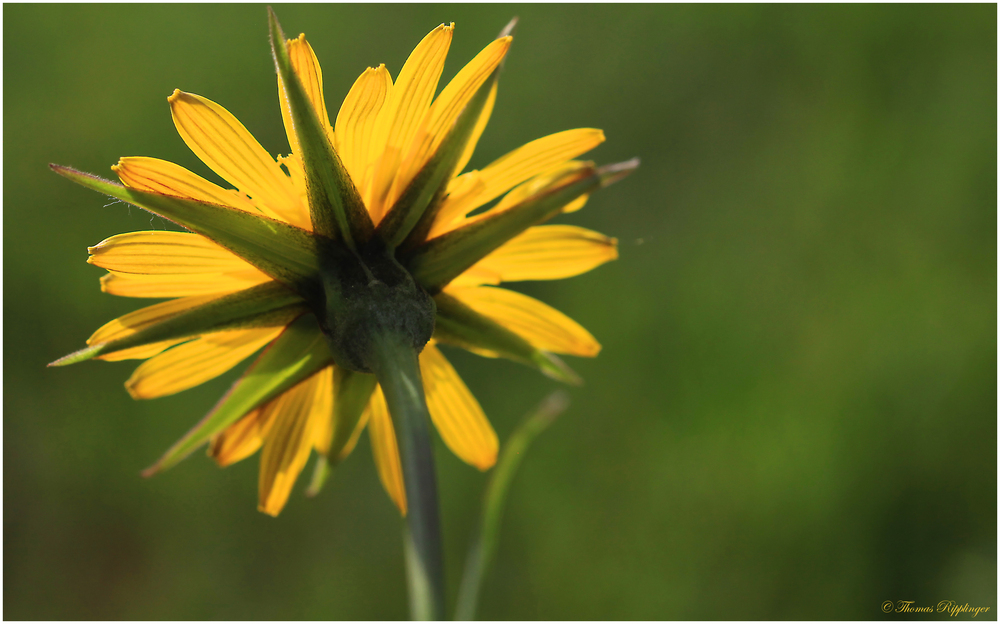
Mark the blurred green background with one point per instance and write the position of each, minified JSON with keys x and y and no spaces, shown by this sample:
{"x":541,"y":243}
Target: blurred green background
{"x":794,"y":414}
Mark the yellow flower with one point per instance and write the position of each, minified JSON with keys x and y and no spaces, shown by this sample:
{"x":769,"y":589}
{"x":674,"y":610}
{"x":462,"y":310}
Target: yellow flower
{"x":243,"y":278}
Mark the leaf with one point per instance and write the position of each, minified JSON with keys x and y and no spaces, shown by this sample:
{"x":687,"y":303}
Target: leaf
{"x":283,"y":251}
{"x":335,"y":206}
{"x":444,"y":258}
{"x":429,"y":184}
{"x":299,"y":352}
{"x":458,"y":324}
{"x":266,"y":305}
{"x":486,"y":535}
{"x":352,"y":390}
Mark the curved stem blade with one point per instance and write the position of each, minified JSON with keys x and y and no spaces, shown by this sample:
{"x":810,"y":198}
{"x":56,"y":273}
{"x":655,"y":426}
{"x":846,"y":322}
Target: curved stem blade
{"x":484,"y":541}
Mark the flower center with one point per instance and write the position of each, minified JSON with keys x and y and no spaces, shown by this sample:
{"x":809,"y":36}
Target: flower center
{"x":368,"y":297}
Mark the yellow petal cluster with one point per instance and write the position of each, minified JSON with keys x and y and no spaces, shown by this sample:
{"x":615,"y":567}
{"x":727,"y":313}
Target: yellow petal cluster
{"x":385,"y":131}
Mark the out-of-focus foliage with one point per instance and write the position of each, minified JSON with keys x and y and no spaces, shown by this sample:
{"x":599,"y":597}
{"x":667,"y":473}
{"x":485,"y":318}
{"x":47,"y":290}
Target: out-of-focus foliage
{"x":794,"y":414}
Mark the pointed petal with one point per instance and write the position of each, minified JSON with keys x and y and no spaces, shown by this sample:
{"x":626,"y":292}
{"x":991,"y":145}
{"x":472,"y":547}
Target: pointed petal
{"x":284,"y":252}
{"x":164,"y":253}
{"x":543,"y":326}
{"x":548,"y":252}
{"x":197,"y":361}
{"x":307,"y":68}
{"x":385,"y":451}
{"x":182,"y":285}
{"x":222,"y":143}
{"x":335,"y":208}
{"x":458,"y":324}
{"x":356,"y":121}
{"x":408,"y":102}
{"x":526,"y":162}
{"x":153,"y":175}
{"x":456,"y":413}
{"x":298,"y":353}
{"x":289,"y":441}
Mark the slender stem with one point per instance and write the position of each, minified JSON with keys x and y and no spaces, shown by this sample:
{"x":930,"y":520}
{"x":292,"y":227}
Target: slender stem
{"x":398,"y":372}
{"x":485,"y":540}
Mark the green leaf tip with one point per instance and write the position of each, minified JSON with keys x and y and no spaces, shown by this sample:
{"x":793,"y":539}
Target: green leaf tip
{"x":321,"y":473}
{"x":335,"y":206}
{"x":79,"y":356}
{"x":298,"y":353}
{"x":279,"y":249}
{"x":609,"y":174}
{"x":413,"y":213}
{"x":459,"y":325}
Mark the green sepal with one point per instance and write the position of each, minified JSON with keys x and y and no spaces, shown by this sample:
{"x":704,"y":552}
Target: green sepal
{"x":282,"y":251}
{"x":409,"y":218}
{"x":335,"y":205}
{"x":459,"y":325}
{"x":352,"y":391}
{"x":445,"y":257}
{"x":265,"y":305}
{"x":299,"y":352}
{"x":321,"y":473}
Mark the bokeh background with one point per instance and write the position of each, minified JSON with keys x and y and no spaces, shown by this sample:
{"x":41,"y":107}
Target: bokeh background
{"x":794,"y":414}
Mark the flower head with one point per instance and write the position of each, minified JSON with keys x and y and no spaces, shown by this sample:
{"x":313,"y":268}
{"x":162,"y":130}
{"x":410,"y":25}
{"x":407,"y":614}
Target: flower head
{"x":365,"y":229}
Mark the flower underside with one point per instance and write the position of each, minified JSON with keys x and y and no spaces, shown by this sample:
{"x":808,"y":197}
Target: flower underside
{"x":362,"y":231}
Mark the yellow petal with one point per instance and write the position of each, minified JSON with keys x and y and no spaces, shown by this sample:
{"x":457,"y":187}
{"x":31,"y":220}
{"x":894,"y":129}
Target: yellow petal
{"x":141,"y":353}
{"x":297,"y":414}
{"x":547,"y":252}
{"x":161,"y":176}
{"x":164,"y":253}
{"x":324,"y":402}
{"x":476,"y":276}
{"x":293,"y":163}
{"x":242,"y":438}
{"x":245,"y":436}
{"x":528,"y":161}
{"x":446,"y":109}
{"x":453,"y":207}
{"x":384,"y":449}
{"x":180,"y":285}
{"x":543,"y":326}
{"x":356,"y":121}
{"x":306,"y":66}
{"x":405,"y":108}
{"x":576,"y":204}
{"x":477,"y":131}
{"x":195,"y":362}
{"x":143,"y":317}
{"x":222,"y":143}
{"x":456,"y":413}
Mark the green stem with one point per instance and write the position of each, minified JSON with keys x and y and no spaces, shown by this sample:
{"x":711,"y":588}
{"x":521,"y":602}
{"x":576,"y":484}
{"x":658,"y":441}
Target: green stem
{"x":398,"y":372}
{"x":485,"y":540}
